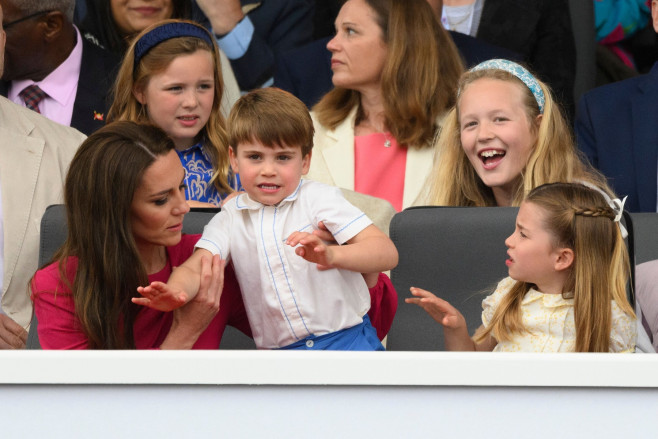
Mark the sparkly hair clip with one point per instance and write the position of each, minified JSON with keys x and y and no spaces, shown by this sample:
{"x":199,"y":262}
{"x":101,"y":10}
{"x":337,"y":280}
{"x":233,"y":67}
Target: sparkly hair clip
{"x":166,"y":32}
{"x":520,"y":72}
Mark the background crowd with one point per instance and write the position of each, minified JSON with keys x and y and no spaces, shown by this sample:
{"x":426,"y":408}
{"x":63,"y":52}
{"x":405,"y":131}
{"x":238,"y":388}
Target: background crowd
{"x":407,"y":109}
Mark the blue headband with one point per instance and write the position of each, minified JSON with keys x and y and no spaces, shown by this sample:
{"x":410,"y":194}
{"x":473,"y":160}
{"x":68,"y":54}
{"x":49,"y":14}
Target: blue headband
{"x":518,"y":71}
{"x":167,"y":32}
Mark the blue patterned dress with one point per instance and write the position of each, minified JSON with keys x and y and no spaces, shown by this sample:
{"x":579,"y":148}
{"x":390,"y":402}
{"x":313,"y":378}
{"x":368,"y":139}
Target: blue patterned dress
{"x":198,"y":172}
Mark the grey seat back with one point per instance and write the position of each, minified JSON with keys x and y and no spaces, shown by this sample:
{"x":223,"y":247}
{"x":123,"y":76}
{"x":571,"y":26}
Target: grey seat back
{"x":457,"y":253}
{"x":645,"y":236}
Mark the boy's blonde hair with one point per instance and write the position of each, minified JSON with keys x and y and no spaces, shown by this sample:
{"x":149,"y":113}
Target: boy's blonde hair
{"x":453,"y":180}
{"x":579,"y":218}
{"x":133,"y":78}
{"x":272,"y":117}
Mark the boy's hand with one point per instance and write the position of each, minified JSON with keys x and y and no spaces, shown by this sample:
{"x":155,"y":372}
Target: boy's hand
{"x":160,"y":296}
{"x":311,"y":248}
{"x":324,"y":234}
{"x":437,"y":308}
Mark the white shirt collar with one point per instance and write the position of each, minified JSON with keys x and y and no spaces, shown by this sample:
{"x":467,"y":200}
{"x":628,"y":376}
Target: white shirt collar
{"x":243,"y":201}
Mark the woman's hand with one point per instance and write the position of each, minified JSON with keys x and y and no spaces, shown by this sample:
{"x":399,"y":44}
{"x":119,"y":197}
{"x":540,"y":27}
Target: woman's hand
{"x":192,"y":319}
{"x":222,"y":14}
{"x":12,"y":335}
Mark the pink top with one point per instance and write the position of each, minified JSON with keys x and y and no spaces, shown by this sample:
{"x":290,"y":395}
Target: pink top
{"x":379,"y":169}
{"x":59,"y":327}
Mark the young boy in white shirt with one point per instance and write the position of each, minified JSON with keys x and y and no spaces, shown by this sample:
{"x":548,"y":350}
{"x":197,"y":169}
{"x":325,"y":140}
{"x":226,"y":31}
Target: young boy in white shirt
{"x":291,"y":304}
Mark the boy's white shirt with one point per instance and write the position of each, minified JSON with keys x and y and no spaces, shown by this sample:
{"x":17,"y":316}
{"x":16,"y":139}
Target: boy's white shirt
{"x":286,"y":297}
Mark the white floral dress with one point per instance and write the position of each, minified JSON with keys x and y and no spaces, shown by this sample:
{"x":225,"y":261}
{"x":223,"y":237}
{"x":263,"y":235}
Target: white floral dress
{"x":549,"y":323}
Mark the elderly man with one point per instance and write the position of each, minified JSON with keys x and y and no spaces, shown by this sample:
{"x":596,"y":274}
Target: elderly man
{"x":51,"y":68}
{"x":34,"y":156}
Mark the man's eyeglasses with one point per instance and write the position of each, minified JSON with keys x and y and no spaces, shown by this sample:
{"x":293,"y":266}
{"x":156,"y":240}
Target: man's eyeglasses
{"x":27,"y":17}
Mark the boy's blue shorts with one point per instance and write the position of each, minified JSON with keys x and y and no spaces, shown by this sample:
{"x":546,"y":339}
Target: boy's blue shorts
{"x":362,"y":337}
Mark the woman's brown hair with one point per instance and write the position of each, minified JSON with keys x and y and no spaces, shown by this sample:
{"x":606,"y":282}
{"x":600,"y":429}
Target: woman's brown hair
{"x":419,"y":77}
{"x":103,"y":176}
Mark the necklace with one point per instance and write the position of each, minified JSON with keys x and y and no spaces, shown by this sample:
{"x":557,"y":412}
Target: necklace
{"x":372,"y":129}
{"x":387,"y":141}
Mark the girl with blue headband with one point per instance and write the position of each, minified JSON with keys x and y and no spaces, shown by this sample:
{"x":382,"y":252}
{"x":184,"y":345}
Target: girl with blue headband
{"x":505,"y":136}
{"x":171,"y":77}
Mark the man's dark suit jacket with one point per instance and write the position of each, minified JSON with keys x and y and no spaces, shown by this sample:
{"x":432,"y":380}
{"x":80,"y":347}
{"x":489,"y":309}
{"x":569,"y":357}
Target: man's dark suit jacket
{"x":306,"y":72}
{"x":616,"y":129}
{"x":92,"y":99}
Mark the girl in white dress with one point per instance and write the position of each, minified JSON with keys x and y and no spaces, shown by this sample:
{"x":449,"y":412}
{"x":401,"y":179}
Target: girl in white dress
{"x":566,"y":291}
